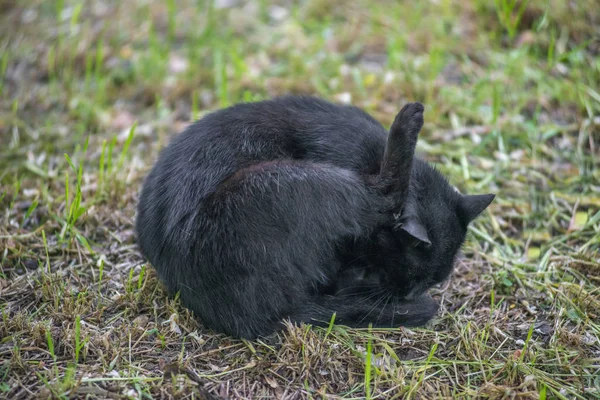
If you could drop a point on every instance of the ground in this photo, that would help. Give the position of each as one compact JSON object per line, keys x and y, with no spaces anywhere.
{"x":92,"y":90}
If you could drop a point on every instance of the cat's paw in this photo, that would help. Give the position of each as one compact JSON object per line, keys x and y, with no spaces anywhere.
{"x":410,"y":120}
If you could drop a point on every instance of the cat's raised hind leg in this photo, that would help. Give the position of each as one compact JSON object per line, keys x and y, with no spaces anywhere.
{"x":399,"y":152}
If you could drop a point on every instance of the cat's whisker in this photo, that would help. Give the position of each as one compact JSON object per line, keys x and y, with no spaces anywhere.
{"x":388,"y":298}
{"x":377,"y":303}
{"x":348,"y":288}
{"x":368,"y":295}
{"x":371,"y":297}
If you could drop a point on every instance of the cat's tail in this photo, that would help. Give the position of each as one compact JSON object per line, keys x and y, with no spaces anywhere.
{"x":360,"y":311}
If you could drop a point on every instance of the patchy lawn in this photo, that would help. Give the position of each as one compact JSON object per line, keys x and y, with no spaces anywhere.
{"x":91,"y":90}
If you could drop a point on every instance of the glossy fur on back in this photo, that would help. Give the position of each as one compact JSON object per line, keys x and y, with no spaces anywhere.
{"x":297,"y":208}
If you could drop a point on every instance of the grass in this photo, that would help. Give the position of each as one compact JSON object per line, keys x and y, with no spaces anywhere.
{"x":91,"y":90}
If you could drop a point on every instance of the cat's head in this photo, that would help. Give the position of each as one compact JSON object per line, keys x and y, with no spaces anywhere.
{"x":418,"y":248}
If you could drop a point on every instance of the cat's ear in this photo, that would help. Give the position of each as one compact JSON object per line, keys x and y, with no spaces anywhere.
{"x":410,"y":223}
{"x":473,"y":205}
{"x":416,"y":229}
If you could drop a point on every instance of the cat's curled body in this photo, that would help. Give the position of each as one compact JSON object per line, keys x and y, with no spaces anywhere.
{"x":297,"y":208}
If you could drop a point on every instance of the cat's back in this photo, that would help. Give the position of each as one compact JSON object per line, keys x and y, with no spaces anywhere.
{"x":288,"y":125}
{"x":313,"y":129}
{"x":292,"y":128}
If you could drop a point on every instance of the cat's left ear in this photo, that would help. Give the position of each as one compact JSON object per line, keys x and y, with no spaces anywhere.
{"x":410,"y":223}
{"x":415,"y":228}
{"x":472,"y":205}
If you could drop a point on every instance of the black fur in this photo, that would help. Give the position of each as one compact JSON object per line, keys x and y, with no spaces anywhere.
{"x":295,"y":208}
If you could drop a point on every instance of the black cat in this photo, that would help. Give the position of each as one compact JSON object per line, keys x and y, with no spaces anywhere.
{"x":296,"y":208}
